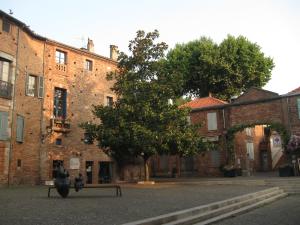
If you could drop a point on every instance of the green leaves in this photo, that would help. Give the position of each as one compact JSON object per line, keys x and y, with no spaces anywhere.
{"x":225,"y":70}
{"x":142,"y":122}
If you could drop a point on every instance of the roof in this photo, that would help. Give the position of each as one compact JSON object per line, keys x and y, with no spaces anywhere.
{"x":295,"y":91}
{"x":204,"y":102}
{"x":27,"y":29}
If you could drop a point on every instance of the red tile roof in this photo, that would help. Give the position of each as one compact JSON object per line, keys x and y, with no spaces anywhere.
{"x":297,"y":90}
{"x":204,"y":102}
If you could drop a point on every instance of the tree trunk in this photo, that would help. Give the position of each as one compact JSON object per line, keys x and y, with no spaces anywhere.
{"x":146,"y":169}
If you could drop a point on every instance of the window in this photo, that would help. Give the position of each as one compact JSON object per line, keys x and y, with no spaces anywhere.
{"x":212,"y":121}
{"x":4,"y":70}
{"x":109,"y":101}
{"x":88,"y":65}
{"x":248,"y":131}
{"x":60,"y":103}
{"x":19,"y":163}
{"x":250,"y":150}
{"x":31,"y":85}
{"x":298,"y":105}
{"x":5,"y":85}
{"x":35,"y":86}
{"x":5,"y":26}
{"x":20,"y":129}
{"x":61,"y":57}
{"x":3,"y":126}
{"x":58,"y":141}
{"x":88,"y":139}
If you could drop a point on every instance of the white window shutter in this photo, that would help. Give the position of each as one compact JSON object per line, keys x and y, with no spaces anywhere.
{"x":3,"y":126}
{"x":20,"y":129}
{"x":26,"y":83}
{"x":41,"y":87}
{"x":212,"y":121}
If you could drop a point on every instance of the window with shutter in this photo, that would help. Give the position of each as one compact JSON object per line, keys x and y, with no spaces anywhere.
{"x":3,"y":126}
{"x":60,"y":103}
{"x":212,"y":121}
{"x":20,"y":129}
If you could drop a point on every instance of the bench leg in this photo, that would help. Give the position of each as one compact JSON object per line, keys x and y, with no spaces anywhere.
{"x":49,"y":192}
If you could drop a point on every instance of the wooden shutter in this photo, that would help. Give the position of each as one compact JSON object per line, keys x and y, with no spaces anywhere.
{"x":212,"y":121}
{"x":20,"y":128}
{"x":26,"y":83}
{"x":41,"y":87}
{"x":3,"y":126}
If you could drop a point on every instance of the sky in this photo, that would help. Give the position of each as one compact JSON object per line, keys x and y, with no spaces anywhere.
{"x":273,"y":24}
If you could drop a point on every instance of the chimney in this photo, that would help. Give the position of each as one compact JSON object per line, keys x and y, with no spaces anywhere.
{"x":114,"y":53}
{"x":90,"y":45}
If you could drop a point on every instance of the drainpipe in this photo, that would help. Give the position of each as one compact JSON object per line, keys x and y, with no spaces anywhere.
{"x":13,"y":110}
{"x":42,"y":117}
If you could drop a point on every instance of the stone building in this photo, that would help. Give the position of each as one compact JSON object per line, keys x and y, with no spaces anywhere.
{"x":47,"y":90}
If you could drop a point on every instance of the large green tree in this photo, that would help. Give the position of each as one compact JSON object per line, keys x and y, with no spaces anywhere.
{"x":142,"y":121}
{"x":224,"y":69}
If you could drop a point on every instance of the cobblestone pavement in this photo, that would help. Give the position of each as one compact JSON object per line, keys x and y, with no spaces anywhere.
{"x":282,"y":212}
{"x":30,"y":205}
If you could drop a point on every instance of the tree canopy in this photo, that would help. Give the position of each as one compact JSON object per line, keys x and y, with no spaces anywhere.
{"x":224,"y":69}
{"x":143,"y":122}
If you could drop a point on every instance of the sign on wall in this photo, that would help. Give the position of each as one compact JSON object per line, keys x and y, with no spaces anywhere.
{"x":74,"y":164}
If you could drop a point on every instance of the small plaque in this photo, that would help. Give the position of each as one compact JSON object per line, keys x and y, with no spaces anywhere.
{"x":74,"y":164}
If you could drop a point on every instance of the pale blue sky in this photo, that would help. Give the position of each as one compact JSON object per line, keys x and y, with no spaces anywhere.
{"x":272,"y":24}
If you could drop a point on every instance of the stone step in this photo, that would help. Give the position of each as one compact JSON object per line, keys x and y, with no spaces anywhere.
{"x":242,"y":210}
{"x":224,"y":210}
{"x":210,"y":210}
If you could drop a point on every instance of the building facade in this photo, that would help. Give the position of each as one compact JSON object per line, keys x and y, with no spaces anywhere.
{"x":256,"y":148}
{"x":47,"y":90}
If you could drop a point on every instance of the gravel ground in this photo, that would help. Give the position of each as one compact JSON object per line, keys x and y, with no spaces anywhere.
{"x":282,"y":212}
{"x":30,"y":205}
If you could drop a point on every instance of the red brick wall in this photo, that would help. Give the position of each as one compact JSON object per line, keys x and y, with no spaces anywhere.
{"x":84,"y":88}
{"x":30,"y":61}
{"x":265,"y":112}
{"x":255,"y":94}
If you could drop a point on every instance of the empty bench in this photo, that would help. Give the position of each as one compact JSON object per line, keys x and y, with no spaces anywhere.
{"x":116,"y":186}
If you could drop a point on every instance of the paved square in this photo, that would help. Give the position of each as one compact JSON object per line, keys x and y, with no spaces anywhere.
{"x":30,"y":205}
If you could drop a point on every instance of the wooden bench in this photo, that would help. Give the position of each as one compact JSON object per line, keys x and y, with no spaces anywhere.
{"x":116,"y":186}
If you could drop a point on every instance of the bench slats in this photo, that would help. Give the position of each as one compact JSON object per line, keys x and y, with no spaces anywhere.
{"x":117,"y":187}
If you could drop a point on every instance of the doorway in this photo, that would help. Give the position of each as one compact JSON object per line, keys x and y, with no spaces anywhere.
{"x":105,"y":172}
{"x":264,"y":161}
{"x":89,"y":171}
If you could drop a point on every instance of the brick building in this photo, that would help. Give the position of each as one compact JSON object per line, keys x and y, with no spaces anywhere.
{"x":255,"y":148}
{"x":47,"y":89}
